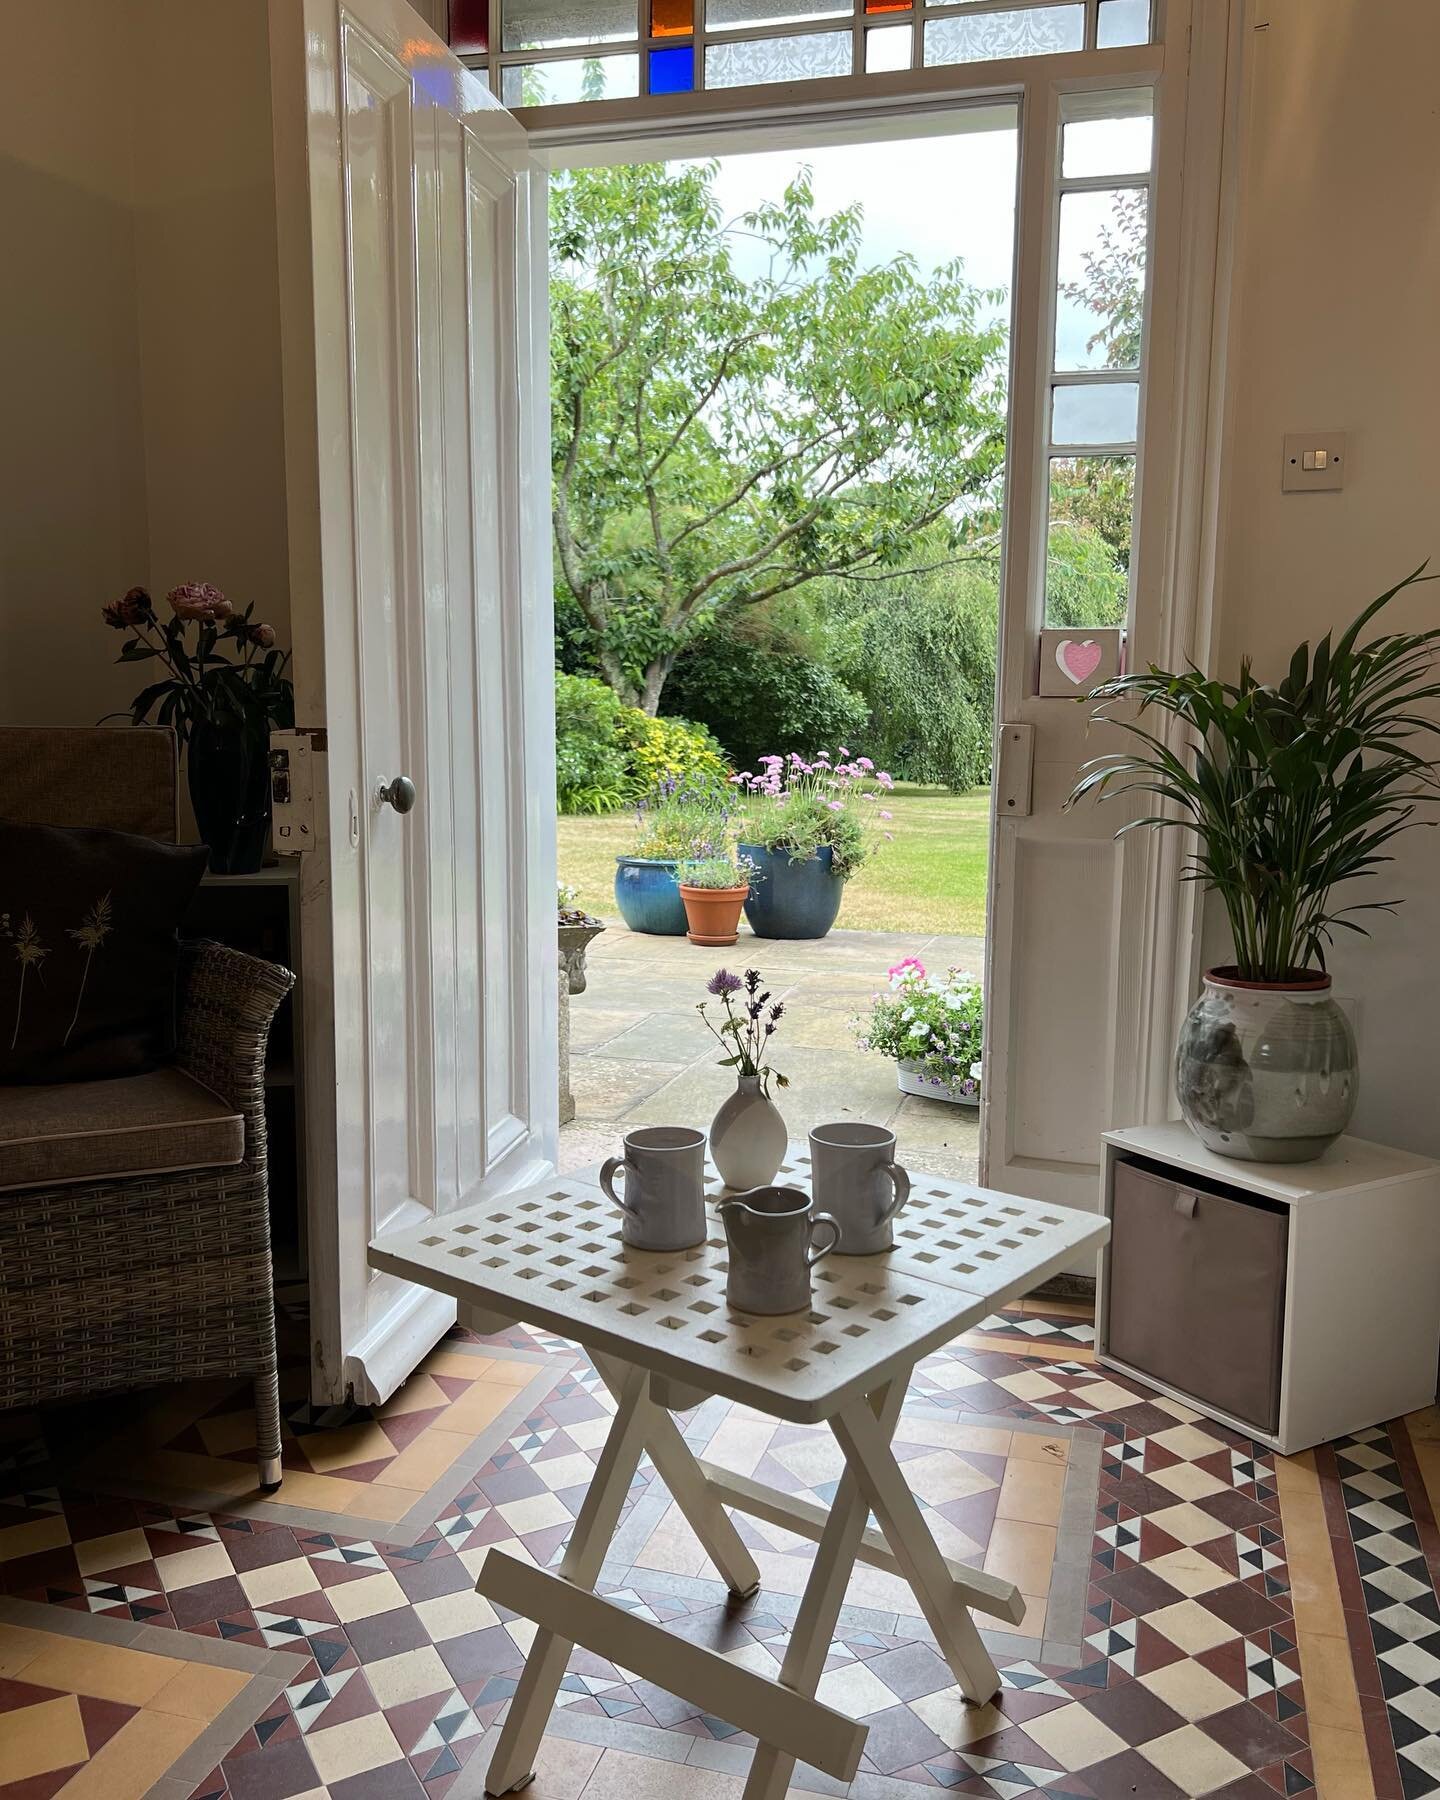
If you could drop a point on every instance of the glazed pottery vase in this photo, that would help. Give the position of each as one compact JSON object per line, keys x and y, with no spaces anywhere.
{"x":647,"y":893}
{"x":792,"y":897}
{"x":227,"y":770}
{"x":747,"y":1136}
{"x":712,"y":915}
{"x":1266,"y":1071}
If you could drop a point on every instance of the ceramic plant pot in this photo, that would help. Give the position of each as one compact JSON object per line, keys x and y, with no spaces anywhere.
{"x":748,"y":1137}
{"x":227,"y":770}
{"x":1266,"y":1071}
{"x":910,"y":1078}
{"x":793,"y":897}
{"x":713,"y":914}
{"x":648,"y":896}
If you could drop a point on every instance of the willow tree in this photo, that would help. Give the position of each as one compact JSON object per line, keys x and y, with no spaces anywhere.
{"x":741,"y":407}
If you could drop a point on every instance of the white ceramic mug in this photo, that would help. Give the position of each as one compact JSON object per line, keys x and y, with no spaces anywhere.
{"x":856,"y":1179}
{"x":664,"y":1178}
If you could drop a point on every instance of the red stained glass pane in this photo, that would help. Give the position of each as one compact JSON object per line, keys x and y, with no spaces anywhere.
{"x":672,"y":18}
{"x":887,"y":6}
{"x":469,"y":27}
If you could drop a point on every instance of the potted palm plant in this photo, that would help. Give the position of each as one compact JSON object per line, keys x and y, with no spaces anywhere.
{"x":1289,"y":791}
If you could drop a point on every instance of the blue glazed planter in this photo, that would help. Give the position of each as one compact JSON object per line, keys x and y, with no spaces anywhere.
{"x":792,"y":898}
{"x":648,"y":895}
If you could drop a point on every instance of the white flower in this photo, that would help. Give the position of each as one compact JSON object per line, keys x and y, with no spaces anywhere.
{"x":975,"y":1071}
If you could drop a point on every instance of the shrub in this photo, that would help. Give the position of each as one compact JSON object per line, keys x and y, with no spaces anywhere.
{"x":755,"y":700}
{"x":685,"y":819}
{"x":607,"y":753}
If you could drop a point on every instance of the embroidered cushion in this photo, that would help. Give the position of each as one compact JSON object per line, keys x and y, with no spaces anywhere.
{"x":89,"y":951}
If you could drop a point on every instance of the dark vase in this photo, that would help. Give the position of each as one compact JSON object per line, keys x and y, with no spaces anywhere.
{"x":792,"y":897}
{"x":228,"y":771}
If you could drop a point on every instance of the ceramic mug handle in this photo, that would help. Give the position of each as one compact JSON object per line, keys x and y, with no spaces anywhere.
{"x":900,"y":1179}
{"x":613,"y":1166}
{"x":812,"y":1255}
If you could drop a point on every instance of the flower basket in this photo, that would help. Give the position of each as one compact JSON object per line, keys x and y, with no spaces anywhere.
{"x":933,"y":1028}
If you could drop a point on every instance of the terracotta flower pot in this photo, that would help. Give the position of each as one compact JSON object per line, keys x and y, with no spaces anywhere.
{"x":713,"y":914}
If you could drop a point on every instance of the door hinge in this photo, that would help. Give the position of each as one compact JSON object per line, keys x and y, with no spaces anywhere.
{"x":1013,"y":774}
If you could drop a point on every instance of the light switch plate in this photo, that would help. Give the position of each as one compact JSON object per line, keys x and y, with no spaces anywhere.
{"x":1303,"y":450}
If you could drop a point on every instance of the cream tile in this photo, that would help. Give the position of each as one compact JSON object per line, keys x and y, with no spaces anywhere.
{"x":1177,"y":1409}
{"x":954,"y":1375}
{"x":949,"y":1434}
{"x":1192,"y":1626}
{"x":854,"y":1691}
{"x":1029,"y":1384}
{"x":1187,"y":1524}
{"x":1021,"y":1552}
{"x":199,"y":1691}
{"x":227,"y":1433}
{"x":364,"y":1598}
{"x":33,"y":1536}
{"x":1187,"y":1441}
{"x":1104,"y":1396}
{"x":534,"y":1514}
{"x":36,"y":1739}
{"x":1191,"y":1571}
{"x":108,"y":1671}
{"x":1191,"y":1689}
{"x":814,"y":1459}
{"x":1187,"y":1481}
{"x":188,"y":1568}
{"x":475,"y":1409}
{"x":419,"y":1394}
{"x":1074,"y":1737}
{"x":620,"y":1776}
{"x":756,"y":1658}
{"x":421,"y":1463}
{"x":352,"y":1748}
{"x":510,"y":1374}
{"x":18,"y":1647}
{"x":410,"y":1676}
{"x":452,"y":1615}
{"x":562,"y":1769}
{"x":1032,"y":1492}
{"x":113,"y":1552}
{"x":564,"y":1471}
{"x":1030,"y":1446}
{"x":1195,"y":1763}
{"x":951,"y":1717}
{"x":326,"y":1451}
{"x":132,"y":1761}
{"x":374,"y":1500}
{"x":943,"y":1476}
{"x":673,"y":1547}
{"x":590,"y":1434}
{"x":279,"y":1581}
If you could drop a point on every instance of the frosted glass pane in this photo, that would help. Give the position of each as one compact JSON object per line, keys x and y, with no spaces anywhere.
{"x":1123,"y":22}
{"x":760,"y":60}
{"x":1107,"y":146}
{"x":1101,"y":271}
{"x":1095,"y":413}
{"x":1087,"y":564}
{"x":548,"y":24}
{"x":888,"y":49}
{"x":575,"y":78}
{"x":742,"y":15}
{"x":1028,"y":31}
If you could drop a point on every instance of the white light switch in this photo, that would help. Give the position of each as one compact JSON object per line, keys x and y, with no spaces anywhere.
{"x":1313,"y":461}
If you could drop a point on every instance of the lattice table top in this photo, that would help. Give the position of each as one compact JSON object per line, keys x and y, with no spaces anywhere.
{"x":552,"y":1256}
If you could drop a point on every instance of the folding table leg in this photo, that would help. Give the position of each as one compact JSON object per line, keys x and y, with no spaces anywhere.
{"x":513,"y":1764}
{"x":814,"y":1627}
{"x":866,"y":1444}
{"x":678,"y":1469}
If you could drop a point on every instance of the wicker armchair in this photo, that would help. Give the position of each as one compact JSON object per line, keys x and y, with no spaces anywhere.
{"x":150,"y":1273}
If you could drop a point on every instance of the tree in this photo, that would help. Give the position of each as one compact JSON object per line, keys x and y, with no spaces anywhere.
{"x":721,"y":439}
{"x":1113,"y":285}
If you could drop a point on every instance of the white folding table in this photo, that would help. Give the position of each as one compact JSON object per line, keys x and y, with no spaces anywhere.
{"x":658,"y":1330}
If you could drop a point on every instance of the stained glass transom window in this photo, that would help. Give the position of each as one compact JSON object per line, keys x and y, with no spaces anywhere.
{"x":556,"y":52}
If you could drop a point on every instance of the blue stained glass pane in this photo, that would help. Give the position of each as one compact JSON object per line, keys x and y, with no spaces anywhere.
{"x":672,"y":70}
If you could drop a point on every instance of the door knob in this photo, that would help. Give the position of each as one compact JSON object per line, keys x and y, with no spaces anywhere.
{"x":399,"y":793}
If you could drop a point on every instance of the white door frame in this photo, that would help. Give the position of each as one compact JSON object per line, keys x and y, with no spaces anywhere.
{"x":1196,"y":74}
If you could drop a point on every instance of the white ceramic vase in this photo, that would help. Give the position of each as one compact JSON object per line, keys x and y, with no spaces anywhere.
{"x":748,"y":1137}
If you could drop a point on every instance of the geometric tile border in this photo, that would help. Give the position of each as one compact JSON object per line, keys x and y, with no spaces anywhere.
{"x":174,"y":1777}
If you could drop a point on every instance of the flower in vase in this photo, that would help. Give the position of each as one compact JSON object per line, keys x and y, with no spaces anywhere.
{"x":200,"y":601}
{"x":131,"y":609}
{"x":722,"y":982}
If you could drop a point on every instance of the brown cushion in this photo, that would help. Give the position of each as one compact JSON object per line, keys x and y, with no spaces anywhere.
{"x":107,"y":1130}
{"x":121,"y":778}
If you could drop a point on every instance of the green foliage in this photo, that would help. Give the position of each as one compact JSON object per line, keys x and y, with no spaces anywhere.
{"x":685,"y":819}
{"x":934,"y":1021}
{"x":1084,"y":582}
{"x":754,"y":699}
{"x":800,"y":805}
{"x":607,"y":753}
{"x":720,"y":441}
{"x":718,"y":872}
{"x":1289,"y":790}
{"x":1113,"y":284}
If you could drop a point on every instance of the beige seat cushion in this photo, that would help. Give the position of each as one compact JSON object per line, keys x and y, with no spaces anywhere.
{"x":108,"y":1130}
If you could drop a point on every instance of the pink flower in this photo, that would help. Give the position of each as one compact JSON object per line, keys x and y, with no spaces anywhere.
{"x":131,"y":609}
{"x":909,"y":965}
{"x":842,"y":751}
{"x":261,"y":635}
{"x":886,"y":815}
{"x":864,"y":762}
{"x":200,"y":601}
{"x":835,"y":806}
{"x":886,"y":781}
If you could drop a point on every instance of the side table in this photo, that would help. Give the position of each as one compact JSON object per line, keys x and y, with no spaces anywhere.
{"x":657,"y":1327}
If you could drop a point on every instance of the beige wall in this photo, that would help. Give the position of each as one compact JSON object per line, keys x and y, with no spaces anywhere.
{"x":139,"y":335}
{"x":1338,"y":326}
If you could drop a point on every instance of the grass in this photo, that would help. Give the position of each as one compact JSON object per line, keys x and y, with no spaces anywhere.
{"x":931,"y":877}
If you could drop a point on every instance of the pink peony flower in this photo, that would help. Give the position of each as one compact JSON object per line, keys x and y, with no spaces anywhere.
{"x":131,"y":609}
{"x":199,"y":601}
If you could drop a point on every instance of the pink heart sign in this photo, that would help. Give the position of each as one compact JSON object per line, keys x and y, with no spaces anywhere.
{"x":1077,"y":662}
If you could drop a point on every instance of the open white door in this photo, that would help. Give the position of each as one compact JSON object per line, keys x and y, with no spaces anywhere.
{"x":416,"y":412}
{"x":1090,"y":951}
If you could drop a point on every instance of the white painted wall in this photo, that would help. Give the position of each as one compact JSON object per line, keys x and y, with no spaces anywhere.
{"x":139,"y":335}
{"x":1338,"y":326}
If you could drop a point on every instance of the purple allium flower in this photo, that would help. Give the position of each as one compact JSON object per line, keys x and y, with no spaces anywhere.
{"x":723,"y":982}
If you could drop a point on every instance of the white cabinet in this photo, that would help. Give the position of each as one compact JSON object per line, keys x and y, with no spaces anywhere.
{"x":1326,"y":1315}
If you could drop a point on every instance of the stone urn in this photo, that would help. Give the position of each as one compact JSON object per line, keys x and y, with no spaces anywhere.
{"x":1266,"y":1071}
{"x":575,"y":929}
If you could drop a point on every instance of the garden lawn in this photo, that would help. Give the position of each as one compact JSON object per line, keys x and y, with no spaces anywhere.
{"x":930,"y":877}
